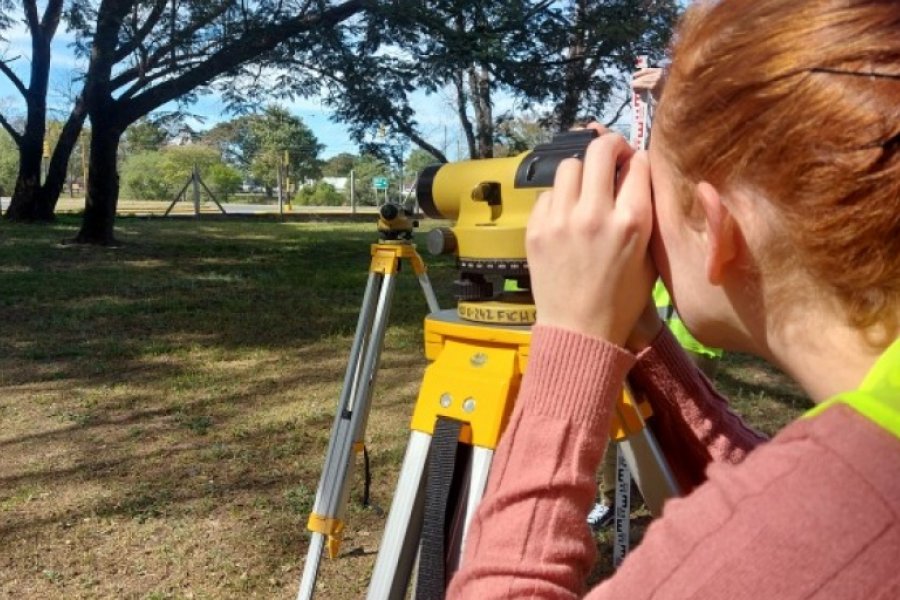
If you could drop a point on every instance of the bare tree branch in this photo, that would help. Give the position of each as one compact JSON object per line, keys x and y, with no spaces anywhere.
{"x":141,"y":34}
{"x":50,"y":21}
{"x":4,"y":68}
{"x":15,"y":135}
{"x":235,"y":54}
{"x":31,"y":16}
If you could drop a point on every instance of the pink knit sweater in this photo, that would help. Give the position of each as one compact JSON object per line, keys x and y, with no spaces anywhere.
{"x":811,"y":514}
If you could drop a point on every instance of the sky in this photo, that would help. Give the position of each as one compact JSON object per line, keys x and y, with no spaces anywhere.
{"x":436,"y":117}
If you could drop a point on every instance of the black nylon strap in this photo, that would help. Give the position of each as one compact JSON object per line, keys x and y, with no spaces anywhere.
{"x":431,"y":583}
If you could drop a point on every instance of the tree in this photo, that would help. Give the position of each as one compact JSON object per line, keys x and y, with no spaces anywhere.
{"x":223,"y":179}
{"x":339,"y":165}
{"x":417,"y":160}
{"x":9,"y":163}
{"x":144,"y":135}
{"x":519,"y":134}
{"x":568,"y":55}
{"x":284,"y":144}
{"x":142,"y":176}
{"x":261,"y":144}
{"x":144,"y":54}
{"x":604,"y":40}
{"x":33,"y":199}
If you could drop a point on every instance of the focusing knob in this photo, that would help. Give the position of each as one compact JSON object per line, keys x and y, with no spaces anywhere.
{"x":472,"y":286}
{"x":441,"y":241}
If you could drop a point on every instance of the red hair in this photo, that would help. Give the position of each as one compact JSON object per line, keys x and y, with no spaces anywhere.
{"x":800,"y":100}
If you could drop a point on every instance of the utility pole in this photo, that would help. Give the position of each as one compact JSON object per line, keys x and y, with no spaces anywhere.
{"x":352,"y":192}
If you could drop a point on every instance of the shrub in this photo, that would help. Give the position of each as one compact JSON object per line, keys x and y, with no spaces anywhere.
{"x":319,"y":194}
{"x":142,"y":176}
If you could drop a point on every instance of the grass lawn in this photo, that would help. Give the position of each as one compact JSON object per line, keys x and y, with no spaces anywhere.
{"x":165,"y":406}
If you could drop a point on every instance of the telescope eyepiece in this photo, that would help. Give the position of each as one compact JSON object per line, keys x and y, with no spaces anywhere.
{"x":425,"y":191}
{"x":390,"y":211}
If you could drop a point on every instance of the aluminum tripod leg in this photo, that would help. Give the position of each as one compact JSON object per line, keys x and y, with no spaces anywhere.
{"x":638,"y":456}
{"x":351,"y":417}
{"x":400,"y":541}
{"x":349,"y":424}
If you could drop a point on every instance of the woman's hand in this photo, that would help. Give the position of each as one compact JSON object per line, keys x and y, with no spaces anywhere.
{"x":649,"y":80}
{"x":587,"y":242}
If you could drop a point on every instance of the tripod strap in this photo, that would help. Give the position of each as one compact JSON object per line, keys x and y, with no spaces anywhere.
{"x":431,"y":583}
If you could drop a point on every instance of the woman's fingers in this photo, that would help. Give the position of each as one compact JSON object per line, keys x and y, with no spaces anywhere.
{"x":602,"y":160}
{"x":567,"y":184}
{"x":634,"y":197}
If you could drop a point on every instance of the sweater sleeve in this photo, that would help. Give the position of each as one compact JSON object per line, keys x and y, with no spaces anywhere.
{"x":529,"y":536}
{"x":692,"y":422}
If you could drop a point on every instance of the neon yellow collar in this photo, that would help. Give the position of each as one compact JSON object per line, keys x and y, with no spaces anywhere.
{"x":878,"y":396}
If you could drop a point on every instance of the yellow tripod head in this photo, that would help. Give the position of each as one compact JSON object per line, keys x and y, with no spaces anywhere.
{"x":490,"y":201}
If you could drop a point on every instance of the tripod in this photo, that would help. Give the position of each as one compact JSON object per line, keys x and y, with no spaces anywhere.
{"x":465,"y":400}
{"x":326,"y":520}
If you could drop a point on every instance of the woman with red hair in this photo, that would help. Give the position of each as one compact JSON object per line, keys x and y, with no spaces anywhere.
{"x":774,"y":220}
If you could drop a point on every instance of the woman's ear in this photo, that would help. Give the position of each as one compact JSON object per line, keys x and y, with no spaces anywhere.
{"x":723,"y":236}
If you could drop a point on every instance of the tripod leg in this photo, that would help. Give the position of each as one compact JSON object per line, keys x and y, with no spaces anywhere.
{"x":430,"y":298}
{"x":326,"y":520}
{"x":481,"y":468}
{"x":650,"y":469}
{"x":400,"y":541}
{"x":638,"y":455}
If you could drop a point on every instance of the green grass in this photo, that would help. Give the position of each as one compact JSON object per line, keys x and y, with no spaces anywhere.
{"x":165,"y":406}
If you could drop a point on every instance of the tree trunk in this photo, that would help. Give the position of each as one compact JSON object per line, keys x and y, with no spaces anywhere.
{"x":103,"y":185}
{"x":24,"y":203}
{"x":59,"y":162}
{"x":461,"y":105}
{"x":480,"y":87}
{"x":28,"y":182}
{"x":28,"y":203}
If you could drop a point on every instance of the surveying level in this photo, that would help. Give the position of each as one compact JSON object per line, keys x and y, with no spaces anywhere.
{"x":326,"y":522}
{"x":491,"y":200}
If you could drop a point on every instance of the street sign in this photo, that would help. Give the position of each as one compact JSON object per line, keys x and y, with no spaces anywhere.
{"x":380,"y":183}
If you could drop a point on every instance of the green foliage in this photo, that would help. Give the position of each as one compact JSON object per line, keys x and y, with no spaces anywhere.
{"x":568,"y":57}
{"x":142,"y":177}
{"x":365,"y":170}
{"x":161,"y":175}
{"x":260,"y":144}
{"x":418,"y":159}
{"x":144,"y":136}
{"x":9,"y":164}
{"x":519,"y":134}
{"x":339,"y":165}
{"x":223,"y":179}
{"x":319,"y":194}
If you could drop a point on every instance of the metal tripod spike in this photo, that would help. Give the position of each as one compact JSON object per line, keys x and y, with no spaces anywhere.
{"x":326,"y":520}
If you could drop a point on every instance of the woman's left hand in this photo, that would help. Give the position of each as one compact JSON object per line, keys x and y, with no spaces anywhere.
{"x":587,"y":242}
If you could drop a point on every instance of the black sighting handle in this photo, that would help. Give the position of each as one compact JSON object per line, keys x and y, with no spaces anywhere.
{"x":538,"y":168}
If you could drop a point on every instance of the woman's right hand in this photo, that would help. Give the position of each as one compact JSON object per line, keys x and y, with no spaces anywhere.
{"x":648,"y":80}
{"x":587,"y":242}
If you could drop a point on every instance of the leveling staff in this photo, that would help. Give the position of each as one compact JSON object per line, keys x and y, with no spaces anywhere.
{"x":776,"y":178}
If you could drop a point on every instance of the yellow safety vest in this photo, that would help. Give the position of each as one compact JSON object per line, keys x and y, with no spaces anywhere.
{"x":878,"y":396}
{"x":670,"y":317}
